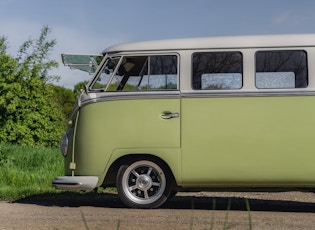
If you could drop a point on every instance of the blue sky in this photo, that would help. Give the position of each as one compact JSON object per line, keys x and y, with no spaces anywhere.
{"x":82,"y":26}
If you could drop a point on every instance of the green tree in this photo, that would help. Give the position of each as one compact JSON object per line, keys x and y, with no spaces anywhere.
{"x":79,"y":87}
{"x":29,"y":113}
{"x":65,"y":98}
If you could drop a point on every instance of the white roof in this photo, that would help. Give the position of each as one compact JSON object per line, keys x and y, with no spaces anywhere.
{"x":258,"y":41}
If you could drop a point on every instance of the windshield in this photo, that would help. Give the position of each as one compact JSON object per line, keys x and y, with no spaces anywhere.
{"x":108,"y":70}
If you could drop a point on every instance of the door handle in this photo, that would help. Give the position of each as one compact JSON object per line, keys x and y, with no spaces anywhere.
{"x":167,"y":115}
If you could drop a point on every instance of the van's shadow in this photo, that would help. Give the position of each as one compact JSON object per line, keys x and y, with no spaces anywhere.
{"x":107,"y":200}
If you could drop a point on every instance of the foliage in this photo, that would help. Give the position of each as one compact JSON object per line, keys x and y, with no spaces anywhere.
{"x":78,"y":87}
{"x":27,"y":170}
{"x":65,"y":98}
{"x":29,"y":114}
{"x":34,"y":56}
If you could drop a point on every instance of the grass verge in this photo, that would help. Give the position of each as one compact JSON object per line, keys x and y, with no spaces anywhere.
{"x":26,"y":171}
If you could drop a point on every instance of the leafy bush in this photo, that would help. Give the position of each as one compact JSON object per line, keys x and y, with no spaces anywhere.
{"x":29,"y":113}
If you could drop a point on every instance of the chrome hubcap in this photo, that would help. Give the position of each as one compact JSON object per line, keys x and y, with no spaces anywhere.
{"x":144,"y":182}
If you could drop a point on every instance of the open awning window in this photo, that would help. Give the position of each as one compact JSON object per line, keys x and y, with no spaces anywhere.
{"x":84,"y":62}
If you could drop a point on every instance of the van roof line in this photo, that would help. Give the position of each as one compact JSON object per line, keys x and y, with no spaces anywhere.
{"x":227,"y":42}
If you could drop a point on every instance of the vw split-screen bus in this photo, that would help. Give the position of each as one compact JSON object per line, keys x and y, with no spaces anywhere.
{"x":220,"y":113}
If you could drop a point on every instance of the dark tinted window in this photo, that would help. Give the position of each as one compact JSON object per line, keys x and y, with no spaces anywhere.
{"x":281,"y":69}
{"x":217,"y":71}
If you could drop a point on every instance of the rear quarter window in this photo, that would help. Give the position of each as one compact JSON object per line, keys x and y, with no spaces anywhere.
{"x":281,"y":69}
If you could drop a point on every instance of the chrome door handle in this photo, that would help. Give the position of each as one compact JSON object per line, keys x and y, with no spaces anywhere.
{"x":169,"y":115}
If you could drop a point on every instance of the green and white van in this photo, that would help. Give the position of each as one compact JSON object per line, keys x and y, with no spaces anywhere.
{"x":220,"y":113}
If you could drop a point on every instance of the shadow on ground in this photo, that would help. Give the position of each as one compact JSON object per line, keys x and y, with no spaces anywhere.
{"x":108,"y":200}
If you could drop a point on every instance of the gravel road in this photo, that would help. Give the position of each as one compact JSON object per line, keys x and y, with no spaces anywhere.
{"x":285,"y":210}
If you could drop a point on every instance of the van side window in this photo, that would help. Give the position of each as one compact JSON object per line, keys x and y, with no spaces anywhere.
{"x":281,"y":69}
{"x":146,"y":73}
{"x":217,"y":71}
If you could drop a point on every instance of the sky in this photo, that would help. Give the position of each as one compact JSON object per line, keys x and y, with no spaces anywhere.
{"x":81,"y":26}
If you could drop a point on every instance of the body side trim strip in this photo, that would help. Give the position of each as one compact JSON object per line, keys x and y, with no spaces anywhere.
{"x":144,"y":96}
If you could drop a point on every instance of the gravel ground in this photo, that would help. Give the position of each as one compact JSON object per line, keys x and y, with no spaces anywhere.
{"x":285,"y":210}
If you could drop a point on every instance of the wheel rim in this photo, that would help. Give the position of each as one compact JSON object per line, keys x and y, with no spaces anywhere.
{"x":144,"y":182}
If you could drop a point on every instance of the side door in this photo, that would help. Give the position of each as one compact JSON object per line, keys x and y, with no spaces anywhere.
{"x":152,"y":80}
{"x":213,"y":121}
{"x":139,"y":102}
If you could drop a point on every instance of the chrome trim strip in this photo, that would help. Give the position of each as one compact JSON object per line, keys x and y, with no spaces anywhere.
{"x":125,"y":96}
{"x":247,"y":94}
{"x":84,"y":100}
{"x":105,"y":96}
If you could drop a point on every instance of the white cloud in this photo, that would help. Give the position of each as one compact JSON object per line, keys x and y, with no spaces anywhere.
{"x":298,"y":21}
{"x":282,"y":18}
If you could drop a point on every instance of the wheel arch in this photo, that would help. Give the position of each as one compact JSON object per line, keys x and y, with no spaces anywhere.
{"x":110,"y":177}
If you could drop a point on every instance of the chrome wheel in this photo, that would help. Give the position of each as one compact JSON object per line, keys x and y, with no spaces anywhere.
{"x":143,"y":184}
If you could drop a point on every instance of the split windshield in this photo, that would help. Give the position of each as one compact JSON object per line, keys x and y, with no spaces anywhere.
{"x":138,"y":73}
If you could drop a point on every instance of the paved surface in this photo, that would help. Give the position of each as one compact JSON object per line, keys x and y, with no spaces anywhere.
{"x":290,"y":210}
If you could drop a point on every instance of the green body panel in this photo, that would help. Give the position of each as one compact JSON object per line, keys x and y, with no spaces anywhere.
{"x":110,"y":129}
{"x":248,"y":141}
{"x":216,"y":142}
{"x":70,"y":155}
